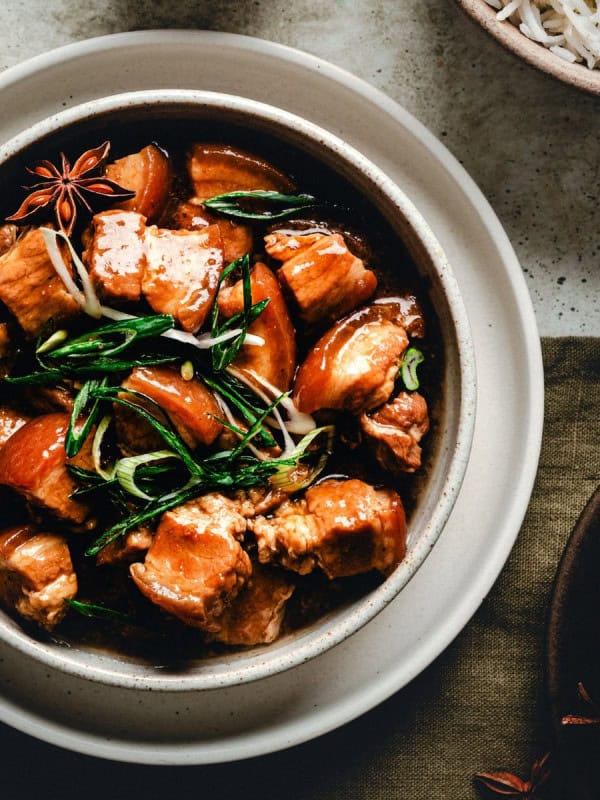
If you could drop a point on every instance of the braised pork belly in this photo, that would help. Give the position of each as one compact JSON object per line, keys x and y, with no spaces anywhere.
{"x":36,"y":574}
{"x":354,"y":365}
{"x":395,"y":430}
{"x":215,"y":169}
{"x":33,"y":462}
{"x":182,"y":271}
{"x":195,"y":565}
{"x":30,"y":287}
{"x":343,"y":527}
{"x":275,"y":360}
{"x":204,"y":411}
{"x":321,"y":274}
{"x":148,"y":174}
{"x":10,"y":422}
{"x":116,"y":254}
{"x":255,"y":615}
{"x":188,"y":404}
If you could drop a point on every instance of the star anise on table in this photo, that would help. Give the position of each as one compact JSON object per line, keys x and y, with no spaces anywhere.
{"x":505,"y":784}
{"x":575,"y":719}
{"x":69,"y":188}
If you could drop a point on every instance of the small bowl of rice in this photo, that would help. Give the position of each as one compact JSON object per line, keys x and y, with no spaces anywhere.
{"x":559,"y":37}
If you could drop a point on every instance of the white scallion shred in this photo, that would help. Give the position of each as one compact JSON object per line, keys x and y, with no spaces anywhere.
{"x":89,"y":303}
{"x":202,"y":342}
{"x":107,"y":474}
{"x":52,"y":342}
{"x":187,"y":371}
{"x":88,"y":300}
{"x":283,"y":479}
{"x":298,"y":422}
{"x":568,"y":28}
{"x":126,"y":469}
{"x":228,"y":414}
{"x":50,"y":240}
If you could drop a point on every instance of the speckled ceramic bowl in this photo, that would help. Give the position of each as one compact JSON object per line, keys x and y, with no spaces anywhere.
{"x":454,"y":425}
{"x":533,"y":53}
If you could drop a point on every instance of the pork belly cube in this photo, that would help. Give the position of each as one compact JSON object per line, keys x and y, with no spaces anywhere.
{"x":345,"y":527}
{"x":126,"y":549}
{"x":255,"y":616}
{"x":325,"y":279}
{"x":30,"y":287}
{"x":36,"y":574}
{"x":353,"y":367}
{"x":275,"y":360}
{"x":410,"y":313}
{"x":33,"y":462}
{"x":8,"y":236}
{"x":182,"y":272}
{"x":195,"y":565}
{"x":190,"y":406}
{"x":148,"y":174}
{"x":237,"y":239}
{"x":395,"y":430}
{"x":217,"y":169}
{"x":116,"y":254}
{"x":10,"y":422}
{"x":286,"y":246}
{"x":6,"y":347}
{"x":258,"y":500}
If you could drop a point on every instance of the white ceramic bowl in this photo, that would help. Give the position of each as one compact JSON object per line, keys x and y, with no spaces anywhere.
{"x":454,"y":425}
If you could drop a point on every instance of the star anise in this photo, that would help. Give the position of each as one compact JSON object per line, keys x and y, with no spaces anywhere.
{"x":506,"y":784}
{"x":69,"y":188}
{"x":574,"y":719}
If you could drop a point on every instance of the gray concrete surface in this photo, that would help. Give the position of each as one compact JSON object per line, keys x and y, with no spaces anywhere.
{"x":529,"y":142}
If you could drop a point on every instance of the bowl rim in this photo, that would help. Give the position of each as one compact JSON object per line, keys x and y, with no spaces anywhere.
{"x":312,"y":643}
{"x":533,"y":53}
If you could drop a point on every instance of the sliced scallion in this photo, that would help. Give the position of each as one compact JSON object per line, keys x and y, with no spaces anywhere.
{"x":103,"y":425}
{"x":87,"y":299}
{"x":96,"y":611}
{"x":284,"y":478}
{"x":83,"y":405}
{"x":171,"y":438}
{"x":408,"y":371}
{"x":223,"y":352}
{"x":126,"y":468}
{"x":57,"y":338}
{"x":114,"y":338}
{"x":233,"y":392}
{"x":268,"y":205}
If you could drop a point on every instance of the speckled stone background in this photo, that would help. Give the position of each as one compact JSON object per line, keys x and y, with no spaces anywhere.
{"x":530,"y":143}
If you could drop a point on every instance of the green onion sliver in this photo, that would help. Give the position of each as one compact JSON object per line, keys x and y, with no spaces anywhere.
{"x":408,"y":371}
{"x":107,"y":474}
{"x":278,"y":206}
{"x":96,"y":611}
{"x":84,"y":401}
{"x":126,"y":469}
{"x":57,"y":338}
{"x":282,"y":478}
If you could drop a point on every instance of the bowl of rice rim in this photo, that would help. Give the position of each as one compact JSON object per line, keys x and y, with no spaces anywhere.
{"x":558,"y":37}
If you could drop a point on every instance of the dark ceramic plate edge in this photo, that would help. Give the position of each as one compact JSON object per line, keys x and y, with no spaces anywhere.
{"x":573,"y":651}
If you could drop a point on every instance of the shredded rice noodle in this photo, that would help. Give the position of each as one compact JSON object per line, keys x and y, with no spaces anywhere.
{"x":569,"y":28}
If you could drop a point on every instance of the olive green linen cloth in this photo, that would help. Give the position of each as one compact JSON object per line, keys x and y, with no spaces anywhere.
{"x":480,"y":706}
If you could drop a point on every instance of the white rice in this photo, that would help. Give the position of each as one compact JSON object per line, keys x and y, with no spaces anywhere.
{"x":569,"y":28}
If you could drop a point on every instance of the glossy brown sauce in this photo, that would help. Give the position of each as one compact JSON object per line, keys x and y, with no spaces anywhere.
{"x":153,"y":636}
